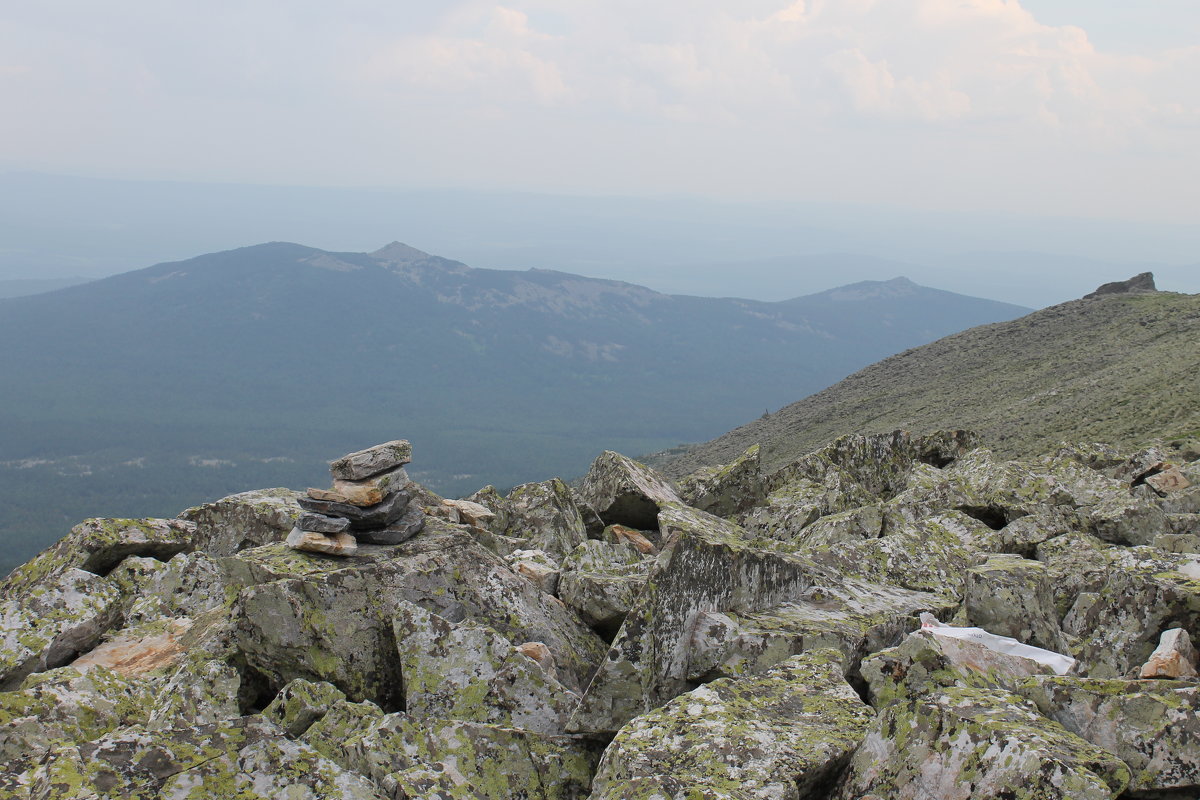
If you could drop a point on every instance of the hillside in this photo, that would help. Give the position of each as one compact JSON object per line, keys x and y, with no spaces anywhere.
{"x":1121,"y":368}
{"x":153,"y":390}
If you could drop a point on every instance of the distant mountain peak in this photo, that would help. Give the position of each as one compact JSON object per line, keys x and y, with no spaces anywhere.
{"x":399,"y":253}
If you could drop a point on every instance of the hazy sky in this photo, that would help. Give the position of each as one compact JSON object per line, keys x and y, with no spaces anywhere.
{"x":1065,"y":107}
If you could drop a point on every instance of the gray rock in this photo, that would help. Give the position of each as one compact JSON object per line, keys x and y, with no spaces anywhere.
{"x":471,"y":673}
{"x":398,"y":532}
{"x":319,"y":523}
{"x":1011,"y":596}
{"x":367,"y":492}
{"x":784,"y":734}
{"x":372,"y":461}
{"x":1143,"y":282}
{"x":337,"y":544}
{"x":248,"y":519}
{"x":601,"y":581}
{"x":546,"y":517}
{"x":626,"y":492}
{"x":301,"y":703}
{"x":1152,"y":726}
{"x":977,"y":744}
{"x":376,"y":516}
{"x":726,"y":490}
{"x":1175,"y":657}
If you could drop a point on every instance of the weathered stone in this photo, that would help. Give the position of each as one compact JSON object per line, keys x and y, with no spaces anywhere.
{"x":784,"y":734}
{"x":338,"y":544}
{"x":1114,"y":601}
{"x":600,"y":581}
{"x":403,"y":529}
{"x":372,"y":461}
{"x":924,"y":664}
{"x":1142,"y":282}
{"x":728,"y":489}
{"x":977,"y":744}
{"x":471,"y":673}
{"x":793,"y":506}
{"x":49,"y":624}
{"x":97,"y":545}
{"x":1173,"y":658}
{"x":186,"y":586}
{"x":846,"y":618}
{"x":864,"y":522}
{"x":1126,"y":520}
{"x":331,"y":620}
{"x":133,"y":653}
{"x":361,"y":518}
{"x":536,"y":566}
{"x":66,"y":706}
{"x":710,"y":565}
{"x":239,"y":521}
{"x":620,"y":534}
{"x":319,"y":523}
{"x":626,"y":492}
{"x":455,"y":759}
{"x":546,"y":517}
{"x":1152,"y":726}
{"x":1011,"y":596}
{"x":301,"y":703}
{"x":1169,"y":480}
{"x":496,"y":503}
{"x":470,"y":513}
{"x":367,"y":492}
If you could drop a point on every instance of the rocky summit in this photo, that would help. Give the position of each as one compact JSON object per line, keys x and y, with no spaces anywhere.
{"x":891,"y":616}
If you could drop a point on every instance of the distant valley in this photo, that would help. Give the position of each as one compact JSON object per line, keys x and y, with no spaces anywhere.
{"x":152,"y":390}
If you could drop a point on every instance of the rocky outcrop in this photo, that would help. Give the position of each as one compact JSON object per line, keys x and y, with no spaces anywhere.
{"x":862,"y":623}
{"x":1143,"y":282}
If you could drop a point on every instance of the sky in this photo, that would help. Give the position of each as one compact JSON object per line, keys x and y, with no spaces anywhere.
{"x":1059,"y":107}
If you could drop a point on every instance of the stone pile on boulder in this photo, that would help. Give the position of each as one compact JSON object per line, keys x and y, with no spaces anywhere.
{"x":840,"y":629}
{"x":368,"y":502}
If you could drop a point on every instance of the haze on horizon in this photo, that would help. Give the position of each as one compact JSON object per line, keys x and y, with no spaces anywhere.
{"x":915,"y":130}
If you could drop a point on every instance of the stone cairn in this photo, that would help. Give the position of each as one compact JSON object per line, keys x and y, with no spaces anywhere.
{"x":368,"y":503}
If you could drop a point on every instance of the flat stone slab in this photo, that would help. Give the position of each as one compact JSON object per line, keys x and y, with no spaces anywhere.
{"x":376,"y":516}
{"x":403,"y":529}
{"x":372,"y":461}
{"x":338,"y":544}
{"x":367,"y":492}
{"x":319,"y":523}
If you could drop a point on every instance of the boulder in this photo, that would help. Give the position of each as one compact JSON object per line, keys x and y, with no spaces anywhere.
{"x":923,"y":664}
{"x":372,"y":461}
{"x":977,"y":744}
{"x":186,"y":586}
{"x":301,"y":703}
{"x":239,"y":521}
{"x":466,"y":512}
{"x":710,"y":565}
{"x":783,"y":734}
{"x":1011,"y":596}
{"x":601,"y":581}
{"x":471,"y":673}
{"x":624,"y":535}
{"x":1152,"y":726}
{"x":726,"y":490}
{"x":536,"y":566}
{"x":1173,"y":658}
{"x":626,"y":492}
{"x":450,"y":758}
{"x":496,"y":503}
{"x":51,"y":623}
{"x":545,"y":516}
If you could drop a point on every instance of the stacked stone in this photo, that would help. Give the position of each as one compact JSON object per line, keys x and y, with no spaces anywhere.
{"x":368,"y":503}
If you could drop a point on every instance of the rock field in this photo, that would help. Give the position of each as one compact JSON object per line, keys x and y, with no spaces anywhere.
{"x":735,"y":635}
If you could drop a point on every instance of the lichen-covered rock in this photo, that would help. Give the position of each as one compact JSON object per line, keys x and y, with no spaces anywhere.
{"x":780,"y":735}
{"x":1151,"y":725}
{"x":1175,"y":657}
{"x":320,"y":619}
{"x":625,"y":492}
{"x":301,"y":703}
{"x":186,"y":586}
{"x":855,"y":525}
{"x":1011,"y":596}
{"x":601,"y":581}
{"x":495,"y":502}
{"x":454,"y":759}
{"x":337,"y":544}
{"x":710,"y":565}
{"x":50,"y":622}
{"x":371,"y":461}
{"x":977,"y":744}
{"x":793,"y":506}
{"x":536,"y":566}
{"x":471,"y":673}
{"x":241,"y":521}
{"x":67,"y":706}
{"x":924,"y":664}
{"x":545,"y":516}
{"x":931,"y":554}
{"x":1115,"y":601}
{"x":726,"y":490}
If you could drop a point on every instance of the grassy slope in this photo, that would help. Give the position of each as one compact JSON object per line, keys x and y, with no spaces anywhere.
{"x":1119,"y":368}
